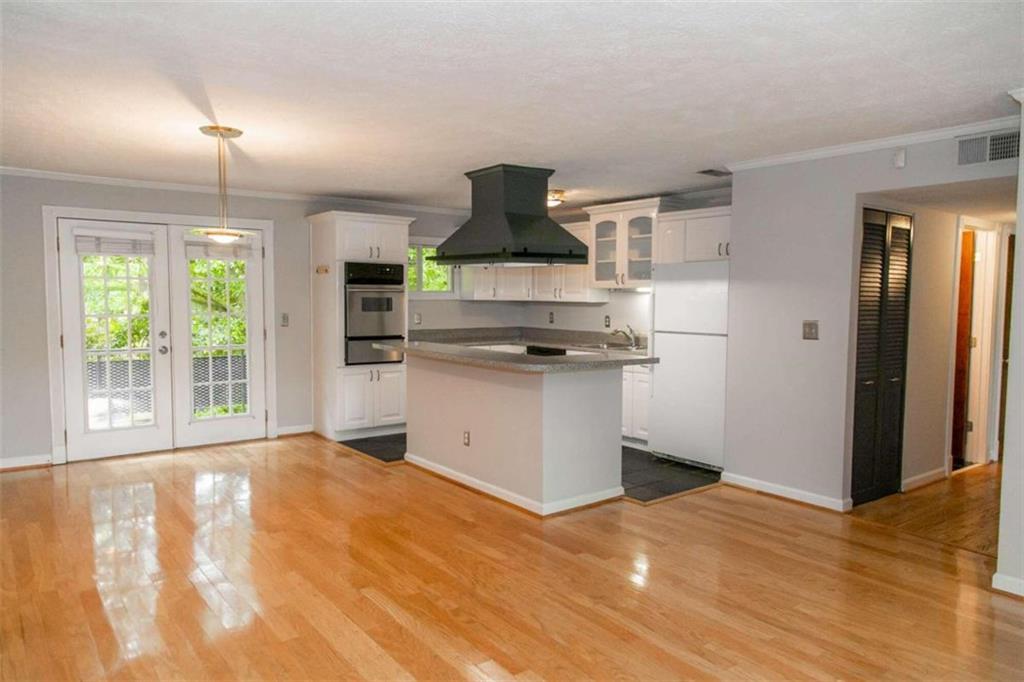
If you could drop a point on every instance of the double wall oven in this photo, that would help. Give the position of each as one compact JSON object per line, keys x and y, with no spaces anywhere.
{"x":374,"y":311}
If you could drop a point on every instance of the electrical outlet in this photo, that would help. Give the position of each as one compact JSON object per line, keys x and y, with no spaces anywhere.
{"x":284,"y":319}
{"x":417,"y":318}
{"x":810,"y":330}
{"x":551,"y":317}
{"x":465,"y":438}
{"x":607,"y":321}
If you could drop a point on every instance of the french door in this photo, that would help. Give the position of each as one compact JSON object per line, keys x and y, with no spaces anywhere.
{"x":159,"y":338}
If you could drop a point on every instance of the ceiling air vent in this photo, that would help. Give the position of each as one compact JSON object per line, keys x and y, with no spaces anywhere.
{"x":990,"y":147}
{"x":715,"y":173}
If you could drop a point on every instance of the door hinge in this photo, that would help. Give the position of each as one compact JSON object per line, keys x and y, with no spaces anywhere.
{"x":266,"y":416}
{"x":974,"y":342}
{"x":62,"y":341}
{"x":970,"y":426}
{"x":263,"y":251}
{"x":264,"y":333}
{"x":65,"y":437}
{"x":58,"y":242}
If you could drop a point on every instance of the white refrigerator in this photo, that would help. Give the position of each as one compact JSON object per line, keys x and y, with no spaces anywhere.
{"x":687,"y":409}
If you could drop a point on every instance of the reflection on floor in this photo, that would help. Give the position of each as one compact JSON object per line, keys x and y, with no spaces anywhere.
{"x":297,"y":559}
{"x":962,"y":510}
{"x":647,"y":478}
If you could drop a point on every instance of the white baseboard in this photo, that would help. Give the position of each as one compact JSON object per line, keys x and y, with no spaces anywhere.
{"x":367,"y":433}
{"x":833,"y":503}
{"x":923,"y":479}
{"x":539,"y":508}
{"x":24,"y":461}
{"x":292,"y":430}
{"x":1008,"y":583}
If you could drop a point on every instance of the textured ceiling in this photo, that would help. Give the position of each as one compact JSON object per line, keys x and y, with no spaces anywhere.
{"x":994,"y":199}
{"x":394,"y":101}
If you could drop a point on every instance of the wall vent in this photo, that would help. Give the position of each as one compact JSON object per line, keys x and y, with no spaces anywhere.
{"x":990,"y":147}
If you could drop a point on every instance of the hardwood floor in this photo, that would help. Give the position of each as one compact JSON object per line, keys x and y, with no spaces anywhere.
{"x":297,"y":559}
{"x":962,"y":510}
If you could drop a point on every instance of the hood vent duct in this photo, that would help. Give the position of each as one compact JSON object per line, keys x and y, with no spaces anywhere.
{"x":509,"y":223}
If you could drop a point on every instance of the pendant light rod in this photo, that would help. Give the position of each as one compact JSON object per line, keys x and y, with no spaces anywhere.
{"x":222,"y":133}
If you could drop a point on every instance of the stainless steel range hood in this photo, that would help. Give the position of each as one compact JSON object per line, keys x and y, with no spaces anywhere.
{"x":509,"y":224}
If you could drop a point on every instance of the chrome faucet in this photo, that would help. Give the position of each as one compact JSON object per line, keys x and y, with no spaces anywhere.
{"x":629,"y":334}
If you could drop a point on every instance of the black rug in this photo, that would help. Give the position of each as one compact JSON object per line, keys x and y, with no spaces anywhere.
{"x":385,"y":448}
{"x":647,"y":478}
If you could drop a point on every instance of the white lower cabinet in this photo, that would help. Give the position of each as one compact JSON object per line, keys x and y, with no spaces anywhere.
{"x":636,"y":393}
{"x":371,"y":395}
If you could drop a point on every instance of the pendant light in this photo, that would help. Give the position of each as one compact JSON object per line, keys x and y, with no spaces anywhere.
{"x":555,"y":197}
{"x":222,"y":234}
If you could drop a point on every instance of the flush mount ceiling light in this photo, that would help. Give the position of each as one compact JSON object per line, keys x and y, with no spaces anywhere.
{"x":556,"y":197}
{"x":222,"y":234}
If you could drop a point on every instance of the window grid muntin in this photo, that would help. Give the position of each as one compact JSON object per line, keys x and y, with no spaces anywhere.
{"x":132,"y":399}
{"x":204,"y":356}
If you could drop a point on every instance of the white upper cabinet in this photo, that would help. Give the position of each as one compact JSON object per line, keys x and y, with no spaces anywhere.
{"x":707,"y":238}
{"x":513,"y":283}
{"x":365,"y":237}
{"x":693,"y":236}
{"x":547,"y":281}
{"x":623,"y":247}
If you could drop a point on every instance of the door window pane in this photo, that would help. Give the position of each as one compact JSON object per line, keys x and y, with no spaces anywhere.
{"x":115,"y":300}
{"x":220,"y":335}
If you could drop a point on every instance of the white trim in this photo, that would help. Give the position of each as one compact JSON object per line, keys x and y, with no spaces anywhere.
{"x":833,"y":503}
{"x":1008,"y":583}
{"x":24,"y":461}
{"x":712,"y":212}
{"x":924,"y":479}
{"x":539,"y":508}
{"x":210,"y":189}
{"x":880,"y":143}
{"x":454,"y":275}
{"x":424,"y":241}
{"x":51,"y":214}
{"x":352,"y":434}
{"x":651,"y":202}
{"x":1017,"y":94}
{"x":293,"y":430}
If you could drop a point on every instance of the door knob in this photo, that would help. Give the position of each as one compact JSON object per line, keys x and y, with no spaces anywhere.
{"x":163,"y":350}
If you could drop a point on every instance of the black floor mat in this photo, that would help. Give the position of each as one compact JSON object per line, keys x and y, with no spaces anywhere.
{"x":647,"y":478}
{"x":385,"y":448}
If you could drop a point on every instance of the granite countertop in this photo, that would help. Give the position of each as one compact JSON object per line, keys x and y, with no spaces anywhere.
{"x":463,"y":346}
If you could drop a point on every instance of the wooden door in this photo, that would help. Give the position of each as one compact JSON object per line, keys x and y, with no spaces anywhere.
{"x":962,"y":370}
{"x":880,"y":374}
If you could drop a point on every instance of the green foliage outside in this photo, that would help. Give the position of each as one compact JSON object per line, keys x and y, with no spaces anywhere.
{"x":435,"y":277}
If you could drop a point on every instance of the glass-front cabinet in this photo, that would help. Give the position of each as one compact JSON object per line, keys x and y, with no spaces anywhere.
{"x":623,"y":243}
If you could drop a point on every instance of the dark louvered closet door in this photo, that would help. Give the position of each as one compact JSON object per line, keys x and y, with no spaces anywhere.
{"x":883,"y":311}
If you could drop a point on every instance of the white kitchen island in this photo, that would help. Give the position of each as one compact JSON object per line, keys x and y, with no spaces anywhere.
{"x":543,"y":433}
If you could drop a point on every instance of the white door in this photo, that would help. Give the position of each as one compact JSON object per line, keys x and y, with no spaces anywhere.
{"x":692,"y":297}
{"x":641,"y":402}
{"x":707,"y":238}
{"x":392,"y":243}
{"x":115,"y":322}
{"x":356,"y":398}
{"x":687,"y":408}
{"x":389,"y":387}
{"x":217,"y":338}
{"x":546,"y":282}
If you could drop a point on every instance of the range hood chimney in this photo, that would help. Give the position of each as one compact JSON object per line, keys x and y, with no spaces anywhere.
{"x":509,"y":223}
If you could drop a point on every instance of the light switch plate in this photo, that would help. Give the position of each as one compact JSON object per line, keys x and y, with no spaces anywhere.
{"x":810,"y":330}
{"x":607,"y":321}
{"x":417,"y":318}
{"x":551,"y":317}
{"x":284,"y":319}
{"x":465,"y":438}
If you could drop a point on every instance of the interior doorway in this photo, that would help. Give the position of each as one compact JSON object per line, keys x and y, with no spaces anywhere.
{"x":963,"y":343}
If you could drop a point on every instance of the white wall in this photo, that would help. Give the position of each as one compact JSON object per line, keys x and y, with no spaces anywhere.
{"x":796,"y":238}
{"x":23,"y":362}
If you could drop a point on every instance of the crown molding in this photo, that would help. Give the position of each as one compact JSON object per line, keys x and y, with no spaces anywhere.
{"x":1017,"y":94}
{"x":209,"y":189}
{"x":880,"y":143}
{"x":651,"y":202}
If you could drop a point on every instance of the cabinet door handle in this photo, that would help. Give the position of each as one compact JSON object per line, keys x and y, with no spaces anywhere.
{"x":371,"y":252}
{"x":727,"y":248}
{"x":869,"y":382}
{"x":378,"y":375}
{"x":894,"y":380}
{"x":371,"y":375}
{"x":719,"y":248}
{"x":378,"y":254}
{"x":494,"y":292}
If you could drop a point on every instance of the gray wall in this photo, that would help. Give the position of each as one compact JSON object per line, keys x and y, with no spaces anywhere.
{"x":795,"y":238}
{"x":23,"y":363}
